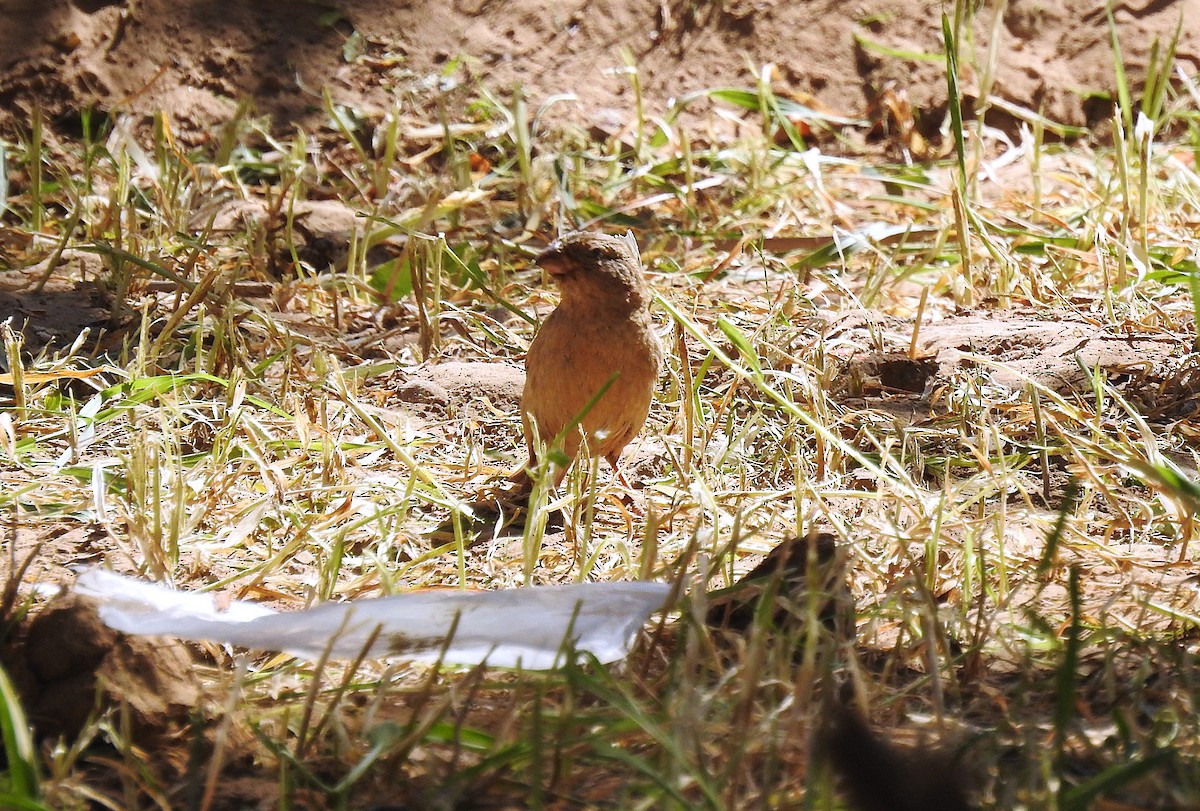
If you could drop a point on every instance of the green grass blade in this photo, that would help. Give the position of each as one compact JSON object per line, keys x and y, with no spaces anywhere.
{"x":19,"y":750}
{"x":954,"y":99}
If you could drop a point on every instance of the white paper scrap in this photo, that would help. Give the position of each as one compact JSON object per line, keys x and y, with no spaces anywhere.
{"x":521,"y":627}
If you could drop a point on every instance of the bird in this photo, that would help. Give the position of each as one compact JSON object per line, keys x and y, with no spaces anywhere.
{"x":878,"y":774}
{"x":600,"y":335}
{"x":798,"y":568}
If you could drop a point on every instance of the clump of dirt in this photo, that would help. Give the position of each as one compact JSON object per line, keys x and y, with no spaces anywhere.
{"x":52,"y":308}
{"x":456,"y":390}
{"x":198,"y":59}
{"x":69,"y":653}
{"x":1057,"y":350}
{"x":889,"y":372}
{"x":319,"y":232}
{"x":1053,"y":349}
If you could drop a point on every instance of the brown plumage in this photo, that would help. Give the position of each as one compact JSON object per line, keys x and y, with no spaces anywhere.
{"x":793,"y":571}
{"x":879,"y":775}
{"x":600,"y":328}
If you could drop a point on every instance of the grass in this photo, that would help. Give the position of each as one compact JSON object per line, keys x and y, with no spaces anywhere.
{"x":236,"y":443}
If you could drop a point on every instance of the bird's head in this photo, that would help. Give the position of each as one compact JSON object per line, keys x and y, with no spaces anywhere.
{"x":597,"y":269}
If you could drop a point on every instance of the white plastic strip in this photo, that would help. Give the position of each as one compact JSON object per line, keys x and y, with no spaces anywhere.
{"x":523,"y":627}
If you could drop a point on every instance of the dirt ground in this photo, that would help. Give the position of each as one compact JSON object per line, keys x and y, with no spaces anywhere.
{"x":197,"y":59}
{"x":201,"y":60}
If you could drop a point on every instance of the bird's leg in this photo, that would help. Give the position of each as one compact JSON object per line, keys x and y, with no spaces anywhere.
{"x":521,"y":479}
{"x":511,"y":492}
{"x":621,"y":476}
{"x":627,"y":496}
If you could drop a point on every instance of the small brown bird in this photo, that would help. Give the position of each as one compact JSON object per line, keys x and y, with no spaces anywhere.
{"x":600,"y":333}
{"x":795,"y":570}
{"x":880,"y":775}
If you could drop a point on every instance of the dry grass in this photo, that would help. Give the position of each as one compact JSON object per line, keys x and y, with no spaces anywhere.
{"x":1043,"y":633}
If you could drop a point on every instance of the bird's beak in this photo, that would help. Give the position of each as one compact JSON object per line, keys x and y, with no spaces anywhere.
{"x":552,"y":260}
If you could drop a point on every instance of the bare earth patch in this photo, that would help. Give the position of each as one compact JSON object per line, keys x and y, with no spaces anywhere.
{"x":307,"y":302}
{"x":1059,"y":351}
{"x":197,"y":59}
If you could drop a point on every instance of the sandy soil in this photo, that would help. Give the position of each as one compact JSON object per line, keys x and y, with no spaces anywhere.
{"x":197,"y":59}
